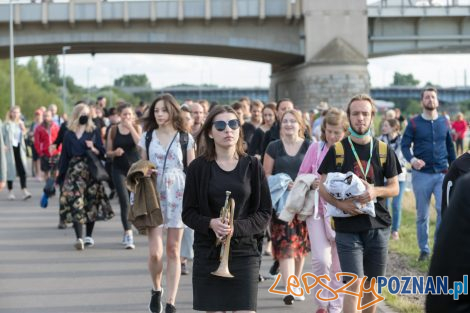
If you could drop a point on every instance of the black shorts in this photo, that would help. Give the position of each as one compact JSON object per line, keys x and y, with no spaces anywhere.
{"x":49,"y":163}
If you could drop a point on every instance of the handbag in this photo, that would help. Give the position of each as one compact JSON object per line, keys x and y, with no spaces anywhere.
{"x":95,"y":166}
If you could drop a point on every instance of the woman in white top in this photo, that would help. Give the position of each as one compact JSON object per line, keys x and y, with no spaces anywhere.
{"x":165,"y":122}
{"x":15,"y":149}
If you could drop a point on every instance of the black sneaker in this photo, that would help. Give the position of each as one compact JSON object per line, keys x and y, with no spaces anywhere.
{"x":170,"y":308}
{"x":289,"y":299}
{"x":156,"y":305}
{"x":423,"y":256}
{"x":274,"y":270}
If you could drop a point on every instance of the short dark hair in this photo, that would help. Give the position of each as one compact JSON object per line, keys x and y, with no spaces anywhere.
{"x":237,"y":106}
{"x":281,"y":101}
{"x":428,"y":89}
{"x":112,"y":111}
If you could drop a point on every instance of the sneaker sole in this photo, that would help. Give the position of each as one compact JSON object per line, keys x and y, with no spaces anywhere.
{"x":79,"y":246}
{"x":130,"y":247}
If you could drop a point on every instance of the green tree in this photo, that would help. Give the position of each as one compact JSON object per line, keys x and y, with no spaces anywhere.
{"x":35,"y":71}
{"x":404,"y":80}
{"x":29,"y":94}
{"x":51,"y":70}
{"x":133,"y":80}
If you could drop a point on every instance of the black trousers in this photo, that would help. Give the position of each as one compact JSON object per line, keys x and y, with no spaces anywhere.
{"x":20,"y":170}
{"x":119,"y":180}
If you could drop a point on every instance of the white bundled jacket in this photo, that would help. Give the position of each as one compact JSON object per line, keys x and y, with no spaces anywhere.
{"x":301,"y":200}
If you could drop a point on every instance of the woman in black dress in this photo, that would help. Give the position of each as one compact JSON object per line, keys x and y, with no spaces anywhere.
{"x":223,"y":166}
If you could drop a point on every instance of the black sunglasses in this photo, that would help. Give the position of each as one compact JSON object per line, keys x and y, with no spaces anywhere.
{"x":221,"y":125}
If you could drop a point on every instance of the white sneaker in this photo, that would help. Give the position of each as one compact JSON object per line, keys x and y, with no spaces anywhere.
{"x":11,"y":196}
{"x":26,"y":195}
{"x":129,"y":241}
{"x":79,"y":244}
{"x":89,"y":242}
{"x":298,"y":290}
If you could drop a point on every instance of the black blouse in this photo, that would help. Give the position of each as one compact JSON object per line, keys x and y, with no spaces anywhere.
{"x":204,"y":196}
{"x":73,"y":146}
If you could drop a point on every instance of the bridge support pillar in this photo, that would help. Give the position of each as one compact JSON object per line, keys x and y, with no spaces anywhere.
{"x":335,"y":65}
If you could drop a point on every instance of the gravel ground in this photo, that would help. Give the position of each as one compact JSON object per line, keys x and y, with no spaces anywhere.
{"x":396,"y":266}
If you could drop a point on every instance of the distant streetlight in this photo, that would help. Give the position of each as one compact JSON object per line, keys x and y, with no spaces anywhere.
{"x":64,"y":50}
{"x":12,"y":60}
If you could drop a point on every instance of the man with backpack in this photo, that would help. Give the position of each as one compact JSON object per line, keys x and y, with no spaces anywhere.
{"x":361,"y":239}
{"x":432,"y":153}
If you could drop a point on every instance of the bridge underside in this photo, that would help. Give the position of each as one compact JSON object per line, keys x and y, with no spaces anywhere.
{"x":271,"y":42}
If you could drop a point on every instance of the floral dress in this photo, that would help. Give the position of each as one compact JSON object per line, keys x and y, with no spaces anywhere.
{"x":170,"y":176}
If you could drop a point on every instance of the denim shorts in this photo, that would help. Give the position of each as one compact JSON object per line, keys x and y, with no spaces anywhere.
{"x":363,"y":253}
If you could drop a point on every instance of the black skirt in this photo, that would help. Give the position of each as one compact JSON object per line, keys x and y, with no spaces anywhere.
{"x":213,"y":293}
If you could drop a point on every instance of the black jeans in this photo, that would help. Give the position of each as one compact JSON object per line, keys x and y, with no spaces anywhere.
{"x":20,"y":170}
{"x":119,"y":180}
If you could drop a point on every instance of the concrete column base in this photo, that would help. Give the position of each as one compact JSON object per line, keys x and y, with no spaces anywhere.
{"x":309,"y":83}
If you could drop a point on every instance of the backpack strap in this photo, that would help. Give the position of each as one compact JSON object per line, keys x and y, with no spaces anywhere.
{"x":382,"y":152}
{"x":148,"y":139}
{"x":339,"y":154}
{"x":413,"y":124}
{"x":184,"y":140}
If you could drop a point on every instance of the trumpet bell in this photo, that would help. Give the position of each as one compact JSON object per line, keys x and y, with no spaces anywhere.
{"x":222,"y":271}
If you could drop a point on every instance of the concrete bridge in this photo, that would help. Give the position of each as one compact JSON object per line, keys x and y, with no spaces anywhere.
{"x":318,"y":49}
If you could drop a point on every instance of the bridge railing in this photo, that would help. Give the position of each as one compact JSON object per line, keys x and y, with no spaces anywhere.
{"x":417,"y":3}
{"x":85,"y":10}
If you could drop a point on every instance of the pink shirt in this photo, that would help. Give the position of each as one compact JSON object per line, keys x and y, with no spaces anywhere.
{"x":312,"y":161}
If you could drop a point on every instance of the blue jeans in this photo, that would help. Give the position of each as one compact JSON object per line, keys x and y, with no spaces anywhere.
{"x":424,"y":185}
{"x":396,"y":206}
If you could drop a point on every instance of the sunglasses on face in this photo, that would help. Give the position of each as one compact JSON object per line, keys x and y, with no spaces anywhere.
{"x":221,"y":125}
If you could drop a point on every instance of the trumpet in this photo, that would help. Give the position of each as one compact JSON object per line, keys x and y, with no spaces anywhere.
{"x":226,"y":213}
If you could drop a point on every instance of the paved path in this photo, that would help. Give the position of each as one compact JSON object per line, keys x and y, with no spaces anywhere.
{"x":41,"y":272}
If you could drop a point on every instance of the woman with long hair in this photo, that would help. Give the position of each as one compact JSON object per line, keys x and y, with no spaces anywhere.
{"x":83,"y":198}
{"x":121,"y":146}
{"x":391,"y":135}
{"x":164,"y":126}
{"x":290,"y":242}
{"x":14,"y":133}
{"x":224,"y":166}
{"x":324,"y":255}
{"x":268,"y":114}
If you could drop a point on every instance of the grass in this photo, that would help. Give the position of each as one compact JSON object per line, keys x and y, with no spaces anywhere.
{"x":401,"y":304}
{"x":407,"y":247}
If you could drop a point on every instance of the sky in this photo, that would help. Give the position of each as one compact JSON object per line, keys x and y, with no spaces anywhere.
{"x":446,"y":70}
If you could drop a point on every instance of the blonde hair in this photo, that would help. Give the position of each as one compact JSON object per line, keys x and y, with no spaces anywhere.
{"x":74,"y":124}
{"x":299,"y":119}
{"x":334,"y":117}
{"x":8,"y":117}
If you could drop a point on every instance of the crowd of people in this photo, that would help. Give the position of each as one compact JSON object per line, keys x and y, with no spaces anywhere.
{"x":262,"y":153}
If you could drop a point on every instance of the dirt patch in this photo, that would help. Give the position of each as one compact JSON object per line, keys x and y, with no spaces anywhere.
{"x":397,"y":265}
